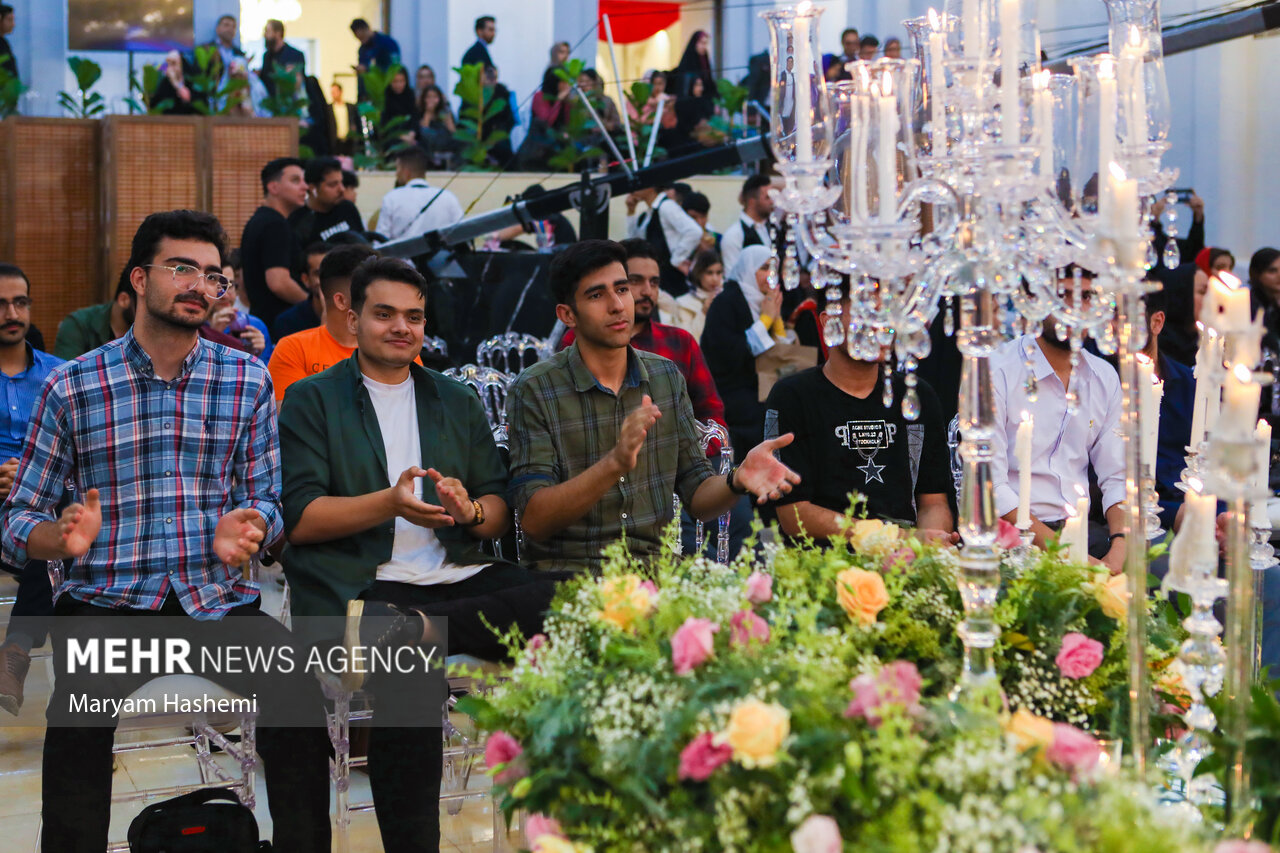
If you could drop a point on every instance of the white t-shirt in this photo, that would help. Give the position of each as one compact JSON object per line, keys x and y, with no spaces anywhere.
{"x":417,"y":555}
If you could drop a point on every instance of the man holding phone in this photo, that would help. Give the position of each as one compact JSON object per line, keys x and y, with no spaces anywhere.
{"x":1190,"y":241}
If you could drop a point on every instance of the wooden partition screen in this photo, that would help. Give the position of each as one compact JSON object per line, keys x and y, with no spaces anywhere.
{"x":49,"y":216}
{"x":238,"y":149}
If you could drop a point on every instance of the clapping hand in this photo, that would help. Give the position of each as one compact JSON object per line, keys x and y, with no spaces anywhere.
{"x":634,"y":430}
{"x":763,"y":475}
{"x":79,"y":525}
{"x":453,"y":497}
{"x":237,"y":537}
{"x":406,"y":504}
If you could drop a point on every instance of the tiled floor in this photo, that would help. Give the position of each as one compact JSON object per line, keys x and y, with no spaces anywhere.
{"x":20,"y":757}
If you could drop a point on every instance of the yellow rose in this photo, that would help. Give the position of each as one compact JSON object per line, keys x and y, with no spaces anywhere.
{"x":861,"y":594}
{"x":1029,"y":730}
{"x":873,"y":537}
{"x":556,"y":844}
{"x":756,"y":731}
{"x":1113,"y":596}
{"x":625,"y":600}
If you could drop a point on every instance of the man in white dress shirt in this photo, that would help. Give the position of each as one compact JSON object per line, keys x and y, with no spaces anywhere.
{"x":752,"y":227}
{"x":415,"y":207}
{"x":672,"y":233}
{"x":1063,"y":445}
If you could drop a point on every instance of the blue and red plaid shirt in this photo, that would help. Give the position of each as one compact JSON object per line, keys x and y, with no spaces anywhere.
{"x":169,"y":458}
{"x":676,"y":344}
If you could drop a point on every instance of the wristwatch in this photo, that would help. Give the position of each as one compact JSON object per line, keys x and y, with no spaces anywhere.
{"x":728,"y":478}
{"x":479,"y":519}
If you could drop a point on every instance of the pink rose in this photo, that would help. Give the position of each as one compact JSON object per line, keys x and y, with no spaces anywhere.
{"x":897,"y":683}
{"x":1075,"y":751}
{"x":691,"y":644}
{"x":536,"y":642}
{"x":649,"y":587}
{"x":502,"y":750}
{"x":759,"y":588}
{"x":818,"y":834}
{"x":537,"y":825}
{"x":900,"y":558}
{"x":745,"y":627}
{"x":702,"y":757}
{"x":1008,"y":536}
{"x":1239,"y":845}
{"x":1079,"y":656}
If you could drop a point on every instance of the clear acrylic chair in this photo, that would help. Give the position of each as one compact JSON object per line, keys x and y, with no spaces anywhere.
{"x":491,"y":385}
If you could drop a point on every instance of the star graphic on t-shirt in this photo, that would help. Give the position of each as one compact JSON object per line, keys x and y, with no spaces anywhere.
{"x":872,"y":470}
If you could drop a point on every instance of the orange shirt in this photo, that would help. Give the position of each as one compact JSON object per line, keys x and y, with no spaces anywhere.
{"x":305,"y":354}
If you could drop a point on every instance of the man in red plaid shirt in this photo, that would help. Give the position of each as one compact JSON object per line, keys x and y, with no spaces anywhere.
{"x":670,"y":342}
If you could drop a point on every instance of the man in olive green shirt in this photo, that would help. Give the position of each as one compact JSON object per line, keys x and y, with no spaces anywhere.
{"x":89,"y":328}
{"x":391,"y":481}
{"x":602,"y":435}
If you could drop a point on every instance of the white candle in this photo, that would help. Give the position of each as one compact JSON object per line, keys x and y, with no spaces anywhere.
{"x":1042,"y":114}
{"x":1022,"y":452}
{"x":1240,"y":397}
{"x":1150,"y":393}
{"x":1262,"y":479}
{"x":804,"y":95}
{"x":1107,"y":131}
{"x":1232,"y":302}
{"x":887,"y":153}
{"x":1075,"y":537}
{"x":1010,"y":47}
{"x":1122,"y":207}
{"x":1195,"y":541}
{"x":937,"y":83}
{"x":971,"y":21}
{"x":1132,"y":61}
{"x":1082,"y":505}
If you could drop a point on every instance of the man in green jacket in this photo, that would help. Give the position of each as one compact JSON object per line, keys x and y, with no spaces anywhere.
{"x":89,"y":328}
{"x":391,"y":481}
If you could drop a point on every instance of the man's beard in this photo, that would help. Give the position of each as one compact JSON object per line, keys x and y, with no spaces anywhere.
{"x":644,"y":311}
{"x":1052,"y":336}
{"x":170,"y":315}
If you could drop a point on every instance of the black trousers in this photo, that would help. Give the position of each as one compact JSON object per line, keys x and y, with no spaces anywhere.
{"x":405,"y":763}
{"x":77,"y":760}
{"x":33,"y":604}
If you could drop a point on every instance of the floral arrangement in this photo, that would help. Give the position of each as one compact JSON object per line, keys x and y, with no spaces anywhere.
{"x":800,"y":706}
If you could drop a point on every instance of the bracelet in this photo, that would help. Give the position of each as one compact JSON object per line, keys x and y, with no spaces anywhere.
{"x":1115,"y":536}
{"x":479,"y":519}
{"x":728,"y":478}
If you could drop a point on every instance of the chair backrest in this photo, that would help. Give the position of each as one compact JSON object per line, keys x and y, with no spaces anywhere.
{"x":492,"y":387}
{"x":512,"y":352}
{"x":431,"y":343}
{"x":953,"y":445}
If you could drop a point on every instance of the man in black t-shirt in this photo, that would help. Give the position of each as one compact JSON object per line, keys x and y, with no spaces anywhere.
{"x":326,"y":212}
{"x":269,"y":250}
{"x":848,"y":441}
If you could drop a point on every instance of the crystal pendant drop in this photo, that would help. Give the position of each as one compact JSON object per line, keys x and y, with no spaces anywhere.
{"x":1172,"y":257}
{"x":911,"y":404}
{"x":1106,"y":340}
{"x":1153,"y":257}
{"x":948,"y":318}
{"x":832,"y":333}
{"x":887,"y":397}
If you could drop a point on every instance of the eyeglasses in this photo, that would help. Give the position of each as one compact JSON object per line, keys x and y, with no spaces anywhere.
{"x":22,"y":303}
{"x":187,"y":278}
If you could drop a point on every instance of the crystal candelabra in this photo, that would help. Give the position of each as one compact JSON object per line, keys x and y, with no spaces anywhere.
{"x":967,"y":178}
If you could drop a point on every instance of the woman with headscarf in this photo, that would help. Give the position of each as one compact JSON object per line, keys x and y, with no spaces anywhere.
{"x":1264,"y":287}
{"x":1184,"y":290}
{"x":1214,"y":260}
{"x":743,"y":322}
{"x":695,"y":63}
{"x":400,"y":101}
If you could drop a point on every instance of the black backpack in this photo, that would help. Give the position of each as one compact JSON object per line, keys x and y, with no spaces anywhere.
{"x":211,"y":820}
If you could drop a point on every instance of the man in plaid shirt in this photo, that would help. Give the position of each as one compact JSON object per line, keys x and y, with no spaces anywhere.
{"x":602,"y":434}
{"x":670,"y":342}
{"x":170,"y":443}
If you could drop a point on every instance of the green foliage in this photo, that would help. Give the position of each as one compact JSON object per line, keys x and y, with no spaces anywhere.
{"x":145,"y":90}
{"x":289,"y":99}
{"x":11,"y":89}
{"x":210,"y":96}
{"x":602,"y":717}
{"x":478,"y":106}
{"x":731,"y":96}
{"x":380,"y":150}
{"x":85,"y":103}
{"x":1262,"y":748}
